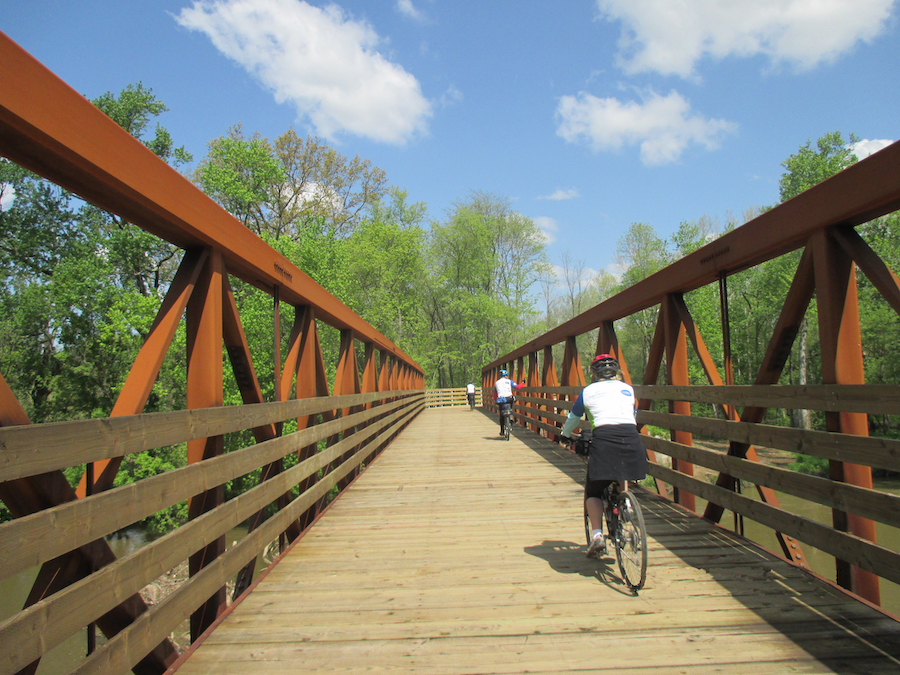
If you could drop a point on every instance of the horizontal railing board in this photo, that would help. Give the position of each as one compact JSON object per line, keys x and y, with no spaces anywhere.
{"x":883,"y":453}
{"x":872,"y":557}
{"x":875,"y":399}
{"x":29,"y":450}
{"x":42,"y":536}
{"x":39,"y":627}
{"x":873,"y":504}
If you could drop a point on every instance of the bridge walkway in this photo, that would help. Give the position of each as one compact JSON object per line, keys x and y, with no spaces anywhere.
{"x":457,"y":552}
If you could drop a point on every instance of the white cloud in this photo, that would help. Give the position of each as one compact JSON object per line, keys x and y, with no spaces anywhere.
{"x":320,"y":60}
{"x":406,"y":8}
{"x":865,"y":147}
{"x":7,"y":196}
{"x":616,"y":270}
{"x":548,"y":228}
{"x":671,"y":36}
{"x":7,"y":192}
{"x":450,"y":97}
{"x":663,"y":126}
{"x":562,"y":195}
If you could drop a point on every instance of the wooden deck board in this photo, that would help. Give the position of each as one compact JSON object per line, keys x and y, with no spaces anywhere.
{"x":456,"y":552}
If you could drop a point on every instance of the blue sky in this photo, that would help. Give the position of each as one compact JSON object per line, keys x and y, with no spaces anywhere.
{"x":589,"y":115}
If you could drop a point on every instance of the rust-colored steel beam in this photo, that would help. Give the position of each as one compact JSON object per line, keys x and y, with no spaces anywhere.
{"x":842,"y":363}
{"x":881,"y":276}
{"x":677,"y":374}
{"x":205,"y":390}
{"x":51,"y":129}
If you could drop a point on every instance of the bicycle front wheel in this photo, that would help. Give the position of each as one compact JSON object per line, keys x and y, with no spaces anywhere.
{"x":631,"y":541}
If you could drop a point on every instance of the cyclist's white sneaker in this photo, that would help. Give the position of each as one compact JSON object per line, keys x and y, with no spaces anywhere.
{"x":597,"y":547}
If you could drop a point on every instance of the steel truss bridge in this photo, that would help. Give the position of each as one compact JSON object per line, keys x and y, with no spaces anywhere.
{"x":371,"y":418}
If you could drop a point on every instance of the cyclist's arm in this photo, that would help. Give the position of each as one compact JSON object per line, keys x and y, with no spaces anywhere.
{"x":574,"y":416}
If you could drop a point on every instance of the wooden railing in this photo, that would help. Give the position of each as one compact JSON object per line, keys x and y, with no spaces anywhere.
{"x":545,"y":408}
{"x":279,"y":501}
{"x":438,"y":398}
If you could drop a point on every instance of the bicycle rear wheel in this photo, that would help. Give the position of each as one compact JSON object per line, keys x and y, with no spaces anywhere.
{"x":506,"y":423}
{"x":631,"y":541}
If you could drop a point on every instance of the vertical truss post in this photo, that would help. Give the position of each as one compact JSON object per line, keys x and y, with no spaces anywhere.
{"x":142,"y":375}
{"x":842,"y":363}
{"x":521,"y":376}
{"x":677,"y":374}
{"x":205,"y":390}
{"x":549,"y":379}
{"x":533,"y":381}
{"x":572,"y":373}
{"x":346,"y":381}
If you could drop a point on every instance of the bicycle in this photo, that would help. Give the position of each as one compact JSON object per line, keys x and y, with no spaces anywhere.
{"x":625,"y":530}
{"x":506,"y":412}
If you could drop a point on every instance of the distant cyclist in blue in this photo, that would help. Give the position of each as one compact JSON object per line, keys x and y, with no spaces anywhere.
{"x":616,"y":451}
{"x":503,"y":393}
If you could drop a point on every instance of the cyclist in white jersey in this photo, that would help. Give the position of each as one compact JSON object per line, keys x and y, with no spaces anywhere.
{"x":616,"y":452}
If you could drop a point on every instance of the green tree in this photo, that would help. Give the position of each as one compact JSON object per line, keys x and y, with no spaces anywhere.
{"x":808,"y":167}
{"x":385,"y":261}
{"x":283,"y":188}
{"x":483,"y":261}
{"x":243,"y":176}
{"x":81,"y":287}
{"x":641,"y":253}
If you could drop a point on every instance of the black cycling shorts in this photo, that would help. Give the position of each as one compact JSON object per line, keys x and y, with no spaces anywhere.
{"x":595,"y":488}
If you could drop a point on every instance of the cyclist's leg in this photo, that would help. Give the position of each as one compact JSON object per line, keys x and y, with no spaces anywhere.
{"x":594,"y":506}
{"x":595,"y":512}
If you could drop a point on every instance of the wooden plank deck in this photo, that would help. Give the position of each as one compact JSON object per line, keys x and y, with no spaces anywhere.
{"x":456,"y":552}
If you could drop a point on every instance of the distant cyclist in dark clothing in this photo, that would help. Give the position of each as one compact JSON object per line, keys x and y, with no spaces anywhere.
{"x":616,"y":451}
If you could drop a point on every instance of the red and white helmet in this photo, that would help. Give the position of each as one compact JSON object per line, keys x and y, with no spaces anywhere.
{"x":605,"y":366}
